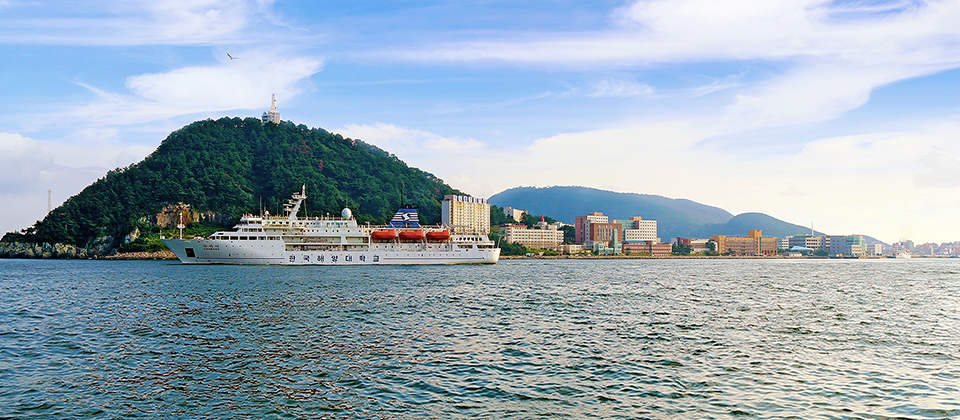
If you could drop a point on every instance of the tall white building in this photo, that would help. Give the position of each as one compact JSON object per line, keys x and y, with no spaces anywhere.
{"x":466,"y":214}
{"x":272,"y":115}
{"x":637,"y":230}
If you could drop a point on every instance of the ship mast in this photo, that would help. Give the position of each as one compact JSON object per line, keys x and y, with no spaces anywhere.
{"x":293,"y":205}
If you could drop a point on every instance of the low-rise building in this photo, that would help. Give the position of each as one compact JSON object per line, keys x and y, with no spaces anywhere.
{"x":532,"y":238}
{"x":813,"y":242}
{"x":752,"y":244}
{"x":697,"y":246}
{"x":850,"y":245}
{"x":647,"y":248}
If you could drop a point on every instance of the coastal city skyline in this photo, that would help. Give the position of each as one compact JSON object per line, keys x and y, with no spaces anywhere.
{"x":839,"y":114}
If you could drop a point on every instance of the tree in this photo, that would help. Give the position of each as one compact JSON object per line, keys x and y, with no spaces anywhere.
{"x":682,"y":249}
{"x":569,"y":234}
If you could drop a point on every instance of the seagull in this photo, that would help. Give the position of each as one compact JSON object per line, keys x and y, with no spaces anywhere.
{"x":231,"y":57}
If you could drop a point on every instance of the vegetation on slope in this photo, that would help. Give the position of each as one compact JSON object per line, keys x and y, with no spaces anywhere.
{"x":230,"y":166}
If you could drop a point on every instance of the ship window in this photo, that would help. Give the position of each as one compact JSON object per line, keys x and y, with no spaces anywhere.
{"x":190,"y":253}
{"x":234,"y":238}
{"x":263,"y":238}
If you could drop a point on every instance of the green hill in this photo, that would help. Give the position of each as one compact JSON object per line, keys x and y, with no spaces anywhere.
{"x":230,"y":166}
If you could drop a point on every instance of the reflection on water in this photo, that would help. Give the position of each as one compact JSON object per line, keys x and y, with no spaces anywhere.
{"x":520,"y":339}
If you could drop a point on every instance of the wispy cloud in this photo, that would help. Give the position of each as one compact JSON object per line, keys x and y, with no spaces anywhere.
{"x":834,"y":55}
{"x":141,"y":22}
{"x":621,"y":88}
{"x":409,"y":141}
{"x":244,"y":83}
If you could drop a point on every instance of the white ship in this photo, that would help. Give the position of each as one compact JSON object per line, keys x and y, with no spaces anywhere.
{"x":290,"y":240}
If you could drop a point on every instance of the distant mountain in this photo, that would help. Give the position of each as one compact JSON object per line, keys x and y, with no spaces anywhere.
{"x":231,"y":166}
{"x":741,"y":223}
{"x":675,"y":217}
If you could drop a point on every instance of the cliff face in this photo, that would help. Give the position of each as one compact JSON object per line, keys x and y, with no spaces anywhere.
{"x":47,"y":250}
{"x":213,"y":171}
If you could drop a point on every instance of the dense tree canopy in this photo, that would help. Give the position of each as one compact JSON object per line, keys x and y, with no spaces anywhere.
{"x":231,"y":166}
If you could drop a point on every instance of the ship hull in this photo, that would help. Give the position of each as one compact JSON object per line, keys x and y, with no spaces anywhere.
{"x":203,"y":251}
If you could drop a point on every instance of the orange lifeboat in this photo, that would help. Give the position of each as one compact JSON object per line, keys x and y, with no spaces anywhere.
{"x":438,"y":235}
{"x":411,"y":235}
{"x":382,"y":235}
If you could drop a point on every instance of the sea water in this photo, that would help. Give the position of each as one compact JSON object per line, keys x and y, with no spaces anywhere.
{"x":806,"y":339}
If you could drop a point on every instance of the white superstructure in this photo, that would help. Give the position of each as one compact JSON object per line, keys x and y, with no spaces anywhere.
{"x":334,"y":241}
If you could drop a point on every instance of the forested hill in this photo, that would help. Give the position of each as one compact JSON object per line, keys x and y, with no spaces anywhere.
{"x":232,"y":165}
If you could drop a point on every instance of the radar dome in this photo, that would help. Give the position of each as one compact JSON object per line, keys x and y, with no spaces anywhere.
{"x":346,"y":213}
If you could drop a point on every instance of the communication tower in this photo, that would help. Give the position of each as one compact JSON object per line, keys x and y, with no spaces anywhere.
{"x":272,"y":115}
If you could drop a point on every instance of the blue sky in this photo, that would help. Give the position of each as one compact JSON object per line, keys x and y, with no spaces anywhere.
{"x":840,"y":114}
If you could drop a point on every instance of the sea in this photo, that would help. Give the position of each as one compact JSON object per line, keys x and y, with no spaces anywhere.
{"x":578,"y":339}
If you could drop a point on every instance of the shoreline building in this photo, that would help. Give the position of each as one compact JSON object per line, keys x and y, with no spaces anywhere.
{"x":647,"y":247}
{"x":636,"y":229}
{"x":697,"y":245}
{"x":532,"y":238}
{"x":465,"y":214}
{"x":272,"y":115}
{"x":582,"y":225}
{"x":852,"y":245}
{"x":752,"y":244}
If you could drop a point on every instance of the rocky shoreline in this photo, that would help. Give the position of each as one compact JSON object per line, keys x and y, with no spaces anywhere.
{"x":71,"y":252}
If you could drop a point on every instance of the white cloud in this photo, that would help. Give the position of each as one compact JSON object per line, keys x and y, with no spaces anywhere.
{"x":834,"y":55}
{"x":22,"y":163}
{"x":244,"y":83}
{"x":944,"y":171}
{"x":621,"y":88}
{"x":410,"y":142}
{"x":30,"y":167}
{"x":453,"y":159}
{"x":134,"y":22}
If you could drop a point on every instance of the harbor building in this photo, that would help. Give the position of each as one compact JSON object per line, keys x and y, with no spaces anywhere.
{"x":272,"y":115}
{"x":532,"y":238}
{"x":465,"y":214}
{"x":647,"y":247}
{"x":582,"y":225}
{"x":850,"y":245}
{"x":636,"y":229}
{"x":697,"y":245}
{"x":815,"y":243}
{"x":609,"y":234}
{"x":752,"y":244}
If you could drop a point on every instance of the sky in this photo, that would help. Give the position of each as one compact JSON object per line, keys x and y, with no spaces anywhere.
{"x":841,"y":115}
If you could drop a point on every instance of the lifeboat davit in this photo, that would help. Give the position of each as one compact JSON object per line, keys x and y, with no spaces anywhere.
{"x":411,"y":235}
{"x":438,"y":235}
{"x":383,"y":234}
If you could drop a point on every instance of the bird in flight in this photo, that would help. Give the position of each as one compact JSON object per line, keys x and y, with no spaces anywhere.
{"x":231,"y":57}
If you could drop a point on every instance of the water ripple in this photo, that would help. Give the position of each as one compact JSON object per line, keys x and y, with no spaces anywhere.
{"x":569,"y":339}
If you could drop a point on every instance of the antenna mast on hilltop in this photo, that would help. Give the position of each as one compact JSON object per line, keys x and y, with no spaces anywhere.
{"x":49,"y":201}
{"x":272,"y":115}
